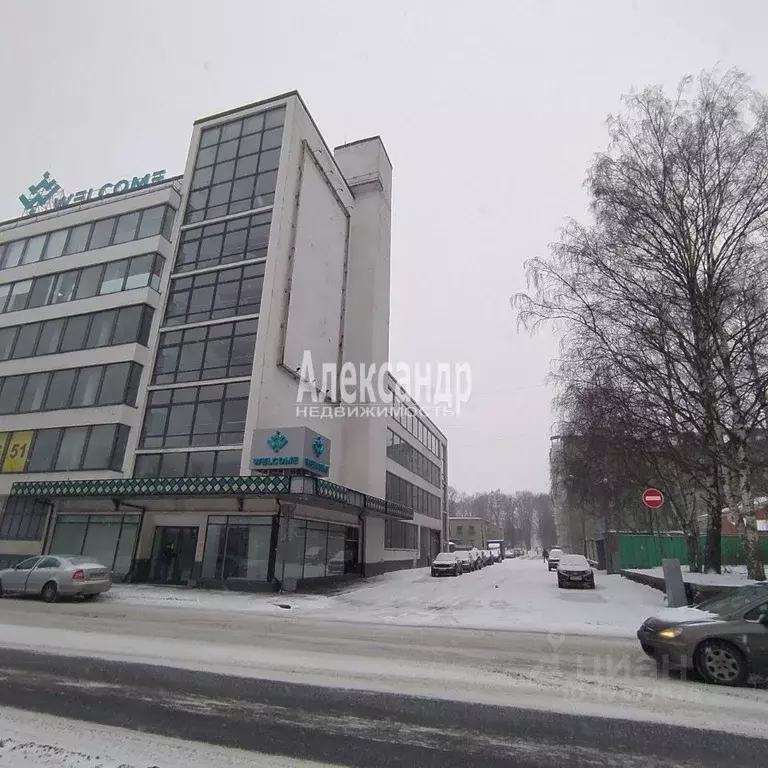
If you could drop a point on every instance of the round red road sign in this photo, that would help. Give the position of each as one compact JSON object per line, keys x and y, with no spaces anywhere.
{"x":653,"y":498}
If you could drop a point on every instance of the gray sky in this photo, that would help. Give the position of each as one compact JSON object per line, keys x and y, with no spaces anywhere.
{"x":490,"y":112}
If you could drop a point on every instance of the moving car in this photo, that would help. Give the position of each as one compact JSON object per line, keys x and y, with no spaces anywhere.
{"x":553,"y":561}
{"x":447,"y":564}
{"x":575,"y":571}
{"x":724,"y":638}
{"x":54,"y":576}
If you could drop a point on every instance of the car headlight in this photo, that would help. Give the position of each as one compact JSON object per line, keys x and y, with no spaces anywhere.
{"x":670,"y":633}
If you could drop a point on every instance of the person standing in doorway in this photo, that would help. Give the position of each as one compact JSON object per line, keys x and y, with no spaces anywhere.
{"x":167,"y":556}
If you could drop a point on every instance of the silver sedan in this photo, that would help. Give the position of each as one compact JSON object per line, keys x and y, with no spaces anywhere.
{"x":54,"y":576}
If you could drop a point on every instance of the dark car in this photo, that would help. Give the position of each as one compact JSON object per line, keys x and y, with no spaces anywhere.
{"x":575,"y":571}
{"x":447,"y":564}
{"x":724,"y":638}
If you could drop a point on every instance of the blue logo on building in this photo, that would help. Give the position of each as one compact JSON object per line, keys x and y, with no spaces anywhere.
{"x":318,"y":446}
{"x":278,"y":441}
{"x":40,"y":193}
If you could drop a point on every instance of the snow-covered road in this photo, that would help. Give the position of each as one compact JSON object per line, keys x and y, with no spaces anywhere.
{"x":517,"y":594}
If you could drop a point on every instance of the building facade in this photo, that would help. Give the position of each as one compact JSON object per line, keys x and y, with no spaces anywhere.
{"x":152,"y":340}
{"x":468,"y":532}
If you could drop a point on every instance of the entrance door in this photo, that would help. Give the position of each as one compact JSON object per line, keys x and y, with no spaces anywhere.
{"x":173,"y":554}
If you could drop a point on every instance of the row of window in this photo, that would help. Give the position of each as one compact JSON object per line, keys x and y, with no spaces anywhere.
{"x":236,"y":167}
{"x":411,"y":496}
{"x":85,"y":237}
{"x":110,"y":327}
{"x":224,"y":243}
{"x":220,"y":351}
{"x":188,"y":464}
{"x":407,"y":456}
{"x":212,"y":295}
{"x":193,"y":416}
{"x":96,"y":385}
{"x":406,"y":415}
{"x":22,"y":518}
{"x":99,"y":446}
{"x":400,"y":535}
{"x":313,"y":550}
{"x":84,"y":283}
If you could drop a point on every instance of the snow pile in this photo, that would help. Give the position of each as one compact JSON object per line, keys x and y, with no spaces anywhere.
{"x":29,"y":740}
{"x":736,"y":576}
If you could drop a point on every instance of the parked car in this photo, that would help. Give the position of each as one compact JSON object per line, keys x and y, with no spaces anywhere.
{"x":553,"y":560}
{"x":575,"y":571}
{"x":447,"y":564}
{"x":477,"y":559}
{"x":467,"y":562}
{"x":724,"y":638}
{"x":496,"y":546}
{"x":488,"y":557}
{"x":54,"y":576}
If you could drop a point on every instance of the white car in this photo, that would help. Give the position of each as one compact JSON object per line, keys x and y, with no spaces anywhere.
{"x":52,"y":576}
{"x":575,"y":571}
{"x":553,"y":559}
{"x":447,"y":564}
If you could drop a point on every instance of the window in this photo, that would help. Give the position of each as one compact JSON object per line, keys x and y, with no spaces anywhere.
{"x":28,"y":564}
{"x":112,"y":277}
{"x":127,"y":325}
{"x":224,"y":243}
{"x":210,"y":415}
{"x":402,"y":492}
{"x":188,"y":464}
{"x":400,"y":535}
{"x":230,"y":159}
{"x":87,"y":387}
{"x":34,"y":392}
{"x":70,"y":448}
{"x":215,"y":294}
{"x":61,"y":389}
{"x":214,"y":352}
{"x":406,"y":455}
{"x":10,"y":393}
{"x":114,"y":384}
{"x":126,"y":227}
{"x":238,"y":547}
{"x":130,"y":226}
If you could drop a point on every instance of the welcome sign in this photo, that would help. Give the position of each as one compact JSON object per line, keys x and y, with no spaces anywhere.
{"x":48,"y":195}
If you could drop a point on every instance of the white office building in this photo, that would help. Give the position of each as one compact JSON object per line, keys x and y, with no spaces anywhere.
{"x":152,"y":337}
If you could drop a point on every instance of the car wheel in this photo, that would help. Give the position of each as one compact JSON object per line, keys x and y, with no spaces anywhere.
{"x":1,"y":588}
{"x":50,"y":592}
{"x":721,"y":663}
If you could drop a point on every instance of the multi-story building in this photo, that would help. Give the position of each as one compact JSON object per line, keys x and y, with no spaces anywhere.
{"x":468,"y":532}
{"x":153,"y":334}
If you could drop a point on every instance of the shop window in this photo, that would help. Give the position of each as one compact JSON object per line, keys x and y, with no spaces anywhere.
{"x":238,"y":548}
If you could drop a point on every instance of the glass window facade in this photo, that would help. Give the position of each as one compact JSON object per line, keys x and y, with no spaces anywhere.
{"x":407,"y":456}
{"x":236,"y":167}
{"x":192,"y":416}
{"x":108,"y":539}
{"x":96,"y":280}
{"x":70,"y":448}
{"x":411,"y":496}
{"x":400,"y":535}
{"x":96,"y":234}
{"x":188,"y":464}
{"x":23,"y":519}
{"x":238,"y":547}
{"x":311,"y":550}
{"x":127,"y":325}
{"x":113,"y":384}
{"x":225,"y":243}
{"x":406,"y":413}
{"x":213,"y":295}
{"x":220,"y":351}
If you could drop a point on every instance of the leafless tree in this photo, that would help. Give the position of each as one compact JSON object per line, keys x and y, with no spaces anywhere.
{"x":663,"y":294}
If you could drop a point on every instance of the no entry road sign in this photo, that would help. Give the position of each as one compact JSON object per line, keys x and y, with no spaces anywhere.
{"x":653,"y":498}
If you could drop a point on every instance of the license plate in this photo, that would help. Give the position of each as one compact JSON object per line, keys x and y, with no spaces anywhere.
{"x":96,"y":575}
{"x":576,"y":578}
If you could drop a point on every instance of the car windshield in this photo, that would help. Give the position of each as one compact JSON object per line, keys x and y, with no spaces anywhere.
{"x":555,"y":553}
{"x":738,"y":600}
{"x":573,"y":561}
{"x":463,"y":555}
{"x":445,"y":557}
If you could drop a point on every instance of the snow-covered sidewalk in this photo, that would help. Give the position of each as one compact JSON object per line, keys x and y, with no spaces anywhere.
{"x":31,"y":740}
{"x":517,"y":594}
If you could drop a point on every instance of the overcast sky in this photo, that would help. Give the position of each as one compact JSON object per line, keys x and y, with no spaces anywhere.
{"x":490,"y":112}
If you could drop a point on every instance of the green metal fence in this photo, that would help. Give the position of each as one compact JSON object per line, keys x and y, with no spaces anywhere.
{"x":645,"y":551}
